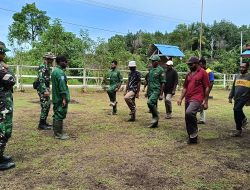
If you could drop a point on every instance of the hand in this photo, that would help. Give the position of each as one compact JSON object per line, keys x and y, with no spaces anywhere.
{"x":64,"y":103}
{"x":230,"y":100}
{"x":5,"y":65}
{"x":204,"y":105}
{"x":46,"y":93}
{"x":137,"y":95}
{"x":173,"y":93}
{"x":161,"y":97}
{"x":179,"y":102}
{"x":116,"y":89}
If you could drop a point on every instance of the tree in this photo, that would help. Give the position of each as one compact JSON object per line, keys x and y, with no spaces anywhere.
{"x":28,"y":25}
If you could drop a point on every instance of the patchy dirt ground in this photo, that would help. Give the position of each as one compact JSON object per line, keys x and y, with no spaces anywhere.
{"x":106,"y":152}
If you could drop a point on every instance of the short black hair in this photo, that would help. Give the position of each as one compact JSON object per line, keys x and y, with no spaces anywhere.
{"x":115,"y":62}
{"x":203,"y":61}
{"x":61,"y":58}
{"x":247,"y":64}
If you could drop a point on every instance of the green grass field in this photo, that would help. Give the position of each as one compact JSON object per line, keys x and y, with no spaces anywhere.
{"x":106,"y":152}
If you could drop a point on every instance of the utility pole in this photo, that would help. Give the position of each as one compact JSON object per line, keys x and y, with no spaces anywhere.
{"x":241,"y":41}
{"x":201,"y":25}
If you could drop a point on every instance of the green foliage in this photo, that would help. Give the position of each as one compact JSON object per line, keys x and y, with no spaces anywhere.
{"x":28,"y":25}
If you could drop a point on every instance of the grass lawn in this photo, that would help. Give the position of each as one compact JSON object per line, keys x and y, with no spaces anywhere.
{"x":106,"y":152}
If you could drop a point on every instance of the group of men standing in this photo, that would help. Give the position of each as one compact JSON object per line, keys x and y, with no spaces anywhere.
{"x":196,"y":89}
{"x":60,"y":94}
{"x":197,"y":86}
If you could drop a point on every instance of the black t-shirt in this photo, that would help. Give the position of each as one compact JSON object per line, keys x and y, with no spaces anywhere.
{"x":134,"y":77}
{"x":171,"y":80}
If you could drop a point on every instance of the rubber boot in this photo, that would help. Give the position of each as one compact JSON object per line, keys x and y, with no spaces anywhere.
{"x":43,"y":125}
{"x":5,"y":164}
{"x":114,"y":111}
{"x":58,"y":130}
{"x":132,"y":117}
{"x":155,"y":119}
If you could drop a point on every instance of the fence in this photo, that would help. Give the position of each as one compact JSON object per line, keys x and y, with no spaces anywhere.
{"x":94,"y":78}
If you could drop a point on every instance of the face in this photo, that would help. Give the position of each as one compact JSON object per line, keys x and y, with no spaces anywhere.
{"x":192,"y":66}
{"x":243,"y":68}
{"x":203,"y":66}
{"x":132,"y":68}
{"x":169,"y":67}
{"x":154,"y":63}
{"x":113,"y":65}
{"x":64,"y":64}
{"x":49,"y":61}
{"x":2,"y":55}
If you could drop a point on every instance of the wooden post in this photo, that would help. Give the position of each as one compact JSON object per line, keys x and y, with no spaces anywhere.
{"x":17,"y":77}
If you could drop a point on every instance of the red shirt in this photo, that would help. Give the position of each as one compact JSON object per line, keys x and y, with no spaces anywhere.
{"x":196,"y":85}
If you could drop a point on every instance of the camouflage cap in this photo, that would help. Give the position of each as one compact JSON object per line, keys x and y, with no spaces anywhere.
{"x":3,"y":48}
{"x":49,"y":55}
{"x":155,"y":58}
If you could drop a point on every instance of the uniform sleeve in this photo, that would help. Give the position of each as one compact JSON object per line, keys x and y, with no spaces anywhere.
{"x":120,"y":76}
{"x":162,"y":76}
{"x":41,"y":78}
{"x":62,"y":84}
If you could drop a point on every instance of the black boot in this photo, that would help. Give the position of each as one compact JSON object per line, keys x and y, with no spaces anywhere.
{"x":193,"y":140}
{"x":153,"y":124}
{"x":43,"y":125}
{"x":132,"y":117}
{"x":5,"y":163}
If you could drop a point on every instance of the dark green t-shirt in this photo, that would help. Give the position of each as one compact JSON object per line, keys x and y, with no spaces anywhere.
{"x":156,"y":78}
{"x":115,"y":77}
{"x":59,"y":85}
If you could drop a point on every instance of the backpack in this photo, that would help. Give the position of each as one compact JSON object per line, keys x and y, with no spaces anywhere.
{"x":36,"y":83}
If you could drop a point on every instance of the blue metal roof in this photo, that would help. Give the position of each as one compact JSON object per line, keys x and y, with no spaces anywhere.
{"x":246,"y":53}
{"x":169,"y":50}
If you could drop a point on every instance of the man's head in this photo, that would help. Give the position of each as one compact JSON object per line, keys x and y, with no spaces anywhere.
{"x":155,"y":60}
{"x":244,"y":68}
{"x":132,"y":65}
{"x":169,"y":64}
{"x":62,"y":61}
{"x":49,"y":58}
{"x":193,"y":63}
{"x":203,"y":63}
{"x":3,"y":50}
{"x":114,"y":64}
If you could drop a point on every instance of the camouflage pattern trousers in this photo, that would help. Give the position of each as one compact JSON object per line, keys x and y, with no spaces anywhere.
{"x":6,"y":115}
{"x":45,"y":106}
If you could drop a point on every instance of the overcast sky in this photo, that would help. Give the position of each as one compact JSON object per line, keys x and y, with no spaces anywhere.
{"x":112,"y":17}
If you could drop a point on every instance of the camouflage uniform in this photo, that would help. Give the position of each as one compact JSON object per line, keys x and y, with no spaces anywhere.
{"x":43,"y":87}
{"x":7,"y":81}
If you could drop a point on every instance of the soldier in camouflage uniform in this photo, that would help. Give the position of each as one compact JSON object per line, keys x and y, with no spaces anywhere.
{"x":60,"y":97}
{"x":43,"y":90}
{"x":7,"y":81}
{"x":115,"y":78}
{"x":155,"y":89}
